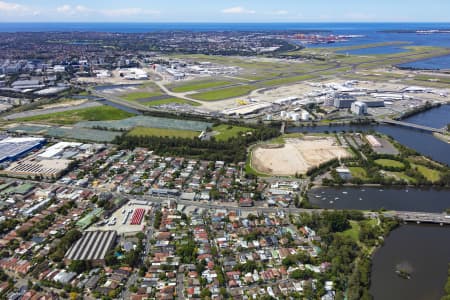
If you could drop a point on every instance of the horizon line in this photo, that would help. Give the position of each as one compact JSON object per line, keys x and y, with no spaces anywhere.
{"x":226,"y":22}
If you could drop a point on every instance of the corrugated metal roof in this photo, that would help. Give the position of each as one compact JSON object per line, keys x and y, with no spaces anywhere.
{"x":92,"y":245}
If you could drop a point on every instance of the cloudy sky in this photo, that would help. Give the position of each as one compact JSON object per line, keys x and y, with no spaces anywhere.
{"x":225,"y":11}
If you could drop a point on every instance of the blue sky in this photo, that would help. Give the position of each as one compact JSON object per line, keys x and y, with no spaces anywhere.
{"x":225,"y":11}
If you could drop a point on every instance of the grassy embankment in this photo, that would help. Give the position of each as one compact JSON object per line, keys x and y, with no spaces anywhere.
{"x":226,"y":132}
{"x":171,"y":101}
{"x":198,"y":85}
{"x":99,"y":113}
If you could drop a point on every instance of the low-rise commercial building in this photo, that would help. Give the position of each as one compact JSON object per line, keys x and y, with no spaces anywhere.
{"x":92,"y":247}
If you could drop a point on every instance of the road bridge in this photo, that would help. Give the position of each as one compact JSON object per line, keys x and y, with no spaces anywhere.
{"x":411,"y":125}
{"x":421,"y":217}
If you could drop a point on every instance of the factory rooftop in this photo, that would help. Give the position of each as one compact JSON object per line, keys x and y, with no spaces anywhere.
{"x":13,"y":148}
{"x":92,"y":246}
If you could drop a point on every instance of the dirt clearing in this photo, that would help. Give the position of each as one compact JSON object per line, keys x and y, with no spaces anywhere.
{"x":296,"y":155}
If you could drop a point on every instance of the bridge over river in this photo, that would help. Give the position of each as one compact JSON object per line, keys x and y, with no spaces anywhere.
{"x":421,"y":217}
{"x":412,"y":125}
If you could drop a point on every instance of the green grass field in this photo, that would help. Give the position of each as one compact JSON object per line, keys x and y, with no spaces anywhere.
{"x":429,"y":174}
{"x":171,"y":100}
{"x":145,"y":131}
{"x":99,"y":113}
{"x":358,"y":172}
{"x":389,"y":163}
{"x":140,"y":95}
{"x":199,"y":85}
{"x":403,"y":176}
{"x":227,"y":131}
{"x":354,"y":231}
{"x":222,"y":94}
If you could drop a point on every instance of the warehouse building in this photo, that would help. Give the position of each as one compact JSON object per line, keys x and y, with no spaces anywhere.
{"x":359,"y":108}
{"x":12,"y":149}
{"x":92,"y":247}
{"x":344,"y":101}
{"x":47,"y":168}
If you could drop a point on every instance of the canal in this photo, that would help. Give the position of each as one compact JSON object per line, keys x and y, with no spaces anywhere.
{"x":425,"y":250}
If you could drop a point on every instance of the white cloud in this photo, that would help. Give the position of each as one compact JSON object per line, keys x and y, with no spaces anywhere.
{"x":73,"y":10}
{"x":119,"y":12}
{"x":127,"y":12}
{"x":82,"y":9}
{"x":15,"y":9}
{"x":280,"y":12}
{"x":64,"y":9}
{"x":238,"y":10}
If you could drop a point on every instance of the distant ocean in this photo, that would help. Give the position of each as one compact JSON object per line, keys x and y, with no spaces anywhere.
{"x":371,"y":32}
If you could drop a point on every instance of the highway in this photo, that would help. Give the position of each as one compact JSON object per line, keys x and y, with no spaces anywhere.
{"x":131,"y":104}
{"x":407,"y":216}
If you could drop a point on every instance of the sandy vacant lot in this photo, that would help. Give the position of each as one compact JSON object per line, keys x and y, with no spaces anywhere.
{"x":296,"y":155}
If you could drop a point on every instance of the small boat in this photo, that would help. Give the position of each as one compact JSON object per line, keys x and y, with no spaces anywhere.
{"x":381,"y":190}
{"x":337,"y":198}
{"x":363,"y":190}
{"x":331,"y":202}
{"x":345,"y":193}
{"x":360,"y":199}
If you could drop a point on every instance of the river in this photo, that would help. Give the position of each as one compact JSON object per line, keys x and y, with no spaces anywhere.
{"x":438,"y":117}
{"x":424,"y":248}
{"x":371,"y":198}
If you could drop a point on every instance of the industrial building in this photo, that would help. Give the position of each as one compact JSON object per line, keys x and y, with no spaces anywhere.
{"x":359,"y":108}
{"x":247,"y":109}
{"x":92,"y":247}
{"x":344,"y":101}
{"x":12,"y":149}
{"x":373,"y":103}
{"x":373,"y":141}
{"x":46,"y":168}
